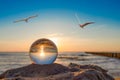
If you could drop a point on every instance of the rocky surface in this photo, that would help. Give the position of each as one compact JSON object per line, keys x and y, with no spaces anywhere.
{"x":57,"y":72}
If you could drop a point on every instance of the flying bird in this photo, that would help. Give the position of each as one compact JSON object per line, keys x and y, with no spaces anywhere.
{"x":26,"y":19}
{"x":85,"y":24}
{"x":82,"y":25}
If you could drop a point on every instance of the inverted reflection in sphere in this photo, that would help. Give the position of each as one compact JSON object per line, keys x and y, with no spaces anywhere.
{"x":43,"y":51}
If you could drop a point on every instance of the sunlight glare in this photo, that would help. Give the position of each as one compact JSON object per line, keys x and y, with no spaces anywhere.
{"x":42,"y":54}
{"x":55,"y":40}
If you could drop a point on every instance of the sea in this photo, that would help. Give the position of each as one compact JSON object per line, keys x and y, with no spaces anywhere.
{"x":10,"y":60}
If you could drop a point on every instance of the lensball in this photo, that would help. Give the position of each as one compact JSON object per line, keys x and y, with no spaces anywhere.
{"x":43,"y":51}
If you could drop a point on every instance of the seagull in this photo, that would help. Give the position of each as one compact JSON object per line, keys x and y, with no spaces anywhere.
{"x":82,"y":25}
{"x":85,"y":24}
{"x":26,"y":19}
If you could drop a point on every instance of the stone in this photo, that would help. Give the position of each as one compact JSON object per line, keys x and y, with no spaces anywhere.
{"x":57,"y":72}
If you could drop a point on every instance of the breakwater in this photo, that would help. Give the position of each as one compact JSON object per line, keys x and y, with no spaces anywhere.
{"x":108,"y":54}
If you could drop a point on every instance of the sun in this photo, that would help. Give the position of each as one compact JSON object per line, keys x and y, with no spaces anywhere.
{"x":42,"y":54}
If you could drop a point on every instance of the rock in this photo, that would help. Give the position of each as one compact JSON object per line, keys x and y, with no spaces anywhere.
{"x":57,"y":72}
{"x":35,"y":70}
{"x":73,"y":65}
{"x":91,"y":74}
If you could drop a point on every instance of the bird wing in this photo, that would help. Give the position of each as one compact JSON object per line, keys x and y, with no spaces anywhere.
{"x":77,"y":18}
{"x":32,"y":16}
{"x":26,"y":19}
{"x":85,"y":24}
{"x":19,"y":20}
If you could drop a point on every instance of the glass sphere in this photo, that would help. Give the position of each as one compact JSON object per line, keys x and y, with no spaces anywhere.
{"x":43,"y":51}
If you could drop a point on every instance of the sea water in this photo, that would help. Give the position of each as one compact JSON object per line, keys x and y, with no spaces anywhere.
{"x":9,"y":60}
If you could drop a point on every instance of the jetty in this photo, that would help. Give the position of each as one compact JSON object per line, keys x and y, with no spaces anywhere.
{"x":108,"y":54}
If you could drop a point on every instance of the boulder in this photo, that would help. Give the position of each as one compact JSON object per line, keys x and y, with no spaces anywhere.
{"x":57,"y":72}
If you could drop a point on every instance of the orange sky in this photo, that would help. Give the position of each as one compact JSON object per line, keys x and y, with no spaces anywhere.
{"x":63,"y":29}
{"x":63,"y":44}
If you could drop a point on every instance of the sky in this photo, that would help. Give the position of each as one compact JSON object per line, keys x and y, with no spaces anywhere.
{"x":57,"y":21}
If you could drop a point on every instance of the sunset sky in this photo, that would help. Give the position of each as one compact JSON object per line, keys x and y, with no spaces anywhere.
{"x":57,"y":21}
